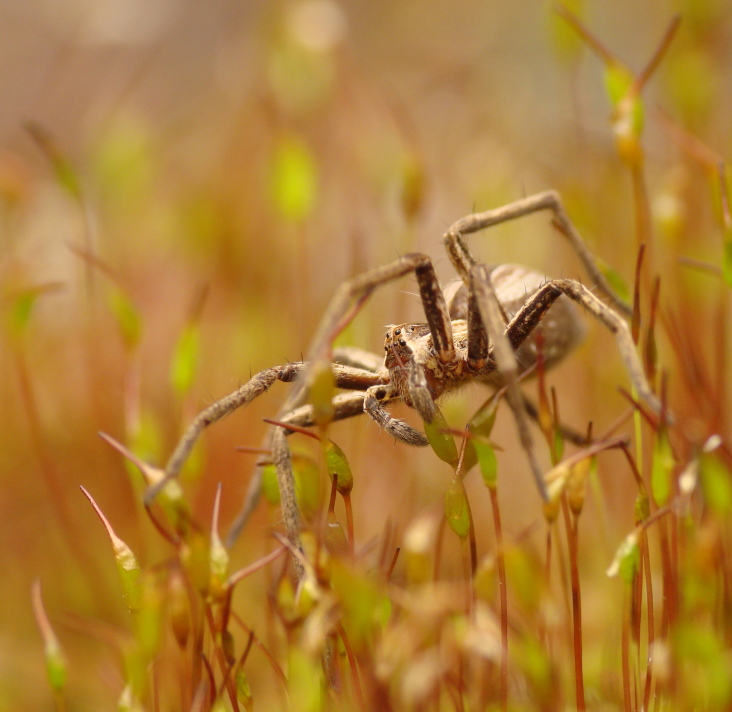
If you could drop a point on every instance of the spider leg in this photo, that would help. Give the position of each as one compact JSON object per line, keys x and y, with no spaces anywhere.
{"x":482,"y":291}
{"x":536,"y":306}
{"x":345,"y":304}
{"x":353,"y":294}
{"x":345,"y":377}
{"x":373,"y":405}
{"x":463,"y":260}
{"x":505,"y":342}
{"x":358,"y":358}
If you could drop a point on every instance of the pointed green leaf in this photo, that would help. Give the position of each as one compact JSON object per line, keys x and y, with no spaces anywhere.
{"x":487,"y":462}
{"x":457,"y":508}
{"x":617,"y":283}
{"x":243,"y":691}
{"x":322,"y":391}
{"x":185,"y":359}
{"x":23,"y":303}
{"x":337,"y":464}
{"x":440,"y":440}
{"x":482,"y":422}
{"x":627,"y":559}
{"x":270,"y":488}
{"x":127,"y":565}
{"x":727,"y":262}
{"x":663,"y":463}
{"x":218,"y":561}
{"x":618,"y":80}
{"x":308,"y":484}
{"x":294,"y":182}
{"x":716,"y":484}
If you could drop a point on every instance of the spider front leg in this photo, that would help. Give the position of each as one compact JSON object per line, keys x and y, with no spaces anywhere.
{"x":344,"y":306}
{"x":463,"y":260}
{"x":373,"y":405}
{"x":353,"y":294}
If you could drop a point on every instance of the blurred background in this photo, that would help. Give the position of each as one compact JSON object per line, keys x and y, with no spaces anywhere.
{"x":183,"y":185}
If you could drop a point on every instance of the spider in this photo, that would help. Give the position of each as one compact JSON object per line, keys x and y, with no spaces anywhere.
{"x":423,"y":361}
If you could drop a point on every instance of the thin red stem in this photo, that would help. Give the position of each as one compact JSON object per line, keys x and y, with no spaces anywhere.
{"x":503,"y":597}
{"x":570,"y":523}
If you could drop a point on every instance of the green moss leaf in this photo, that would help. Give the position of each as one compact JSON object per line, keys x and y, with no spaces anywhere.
{"x":716,"y":484}
{"x":487,"y":462}
{"x":457,"y":508}
{"x":337,"y":464}
{"x":440,"y":440}
{"x":663,"y":463}
{"x":294,"y":180}
{"x":185,"y":359}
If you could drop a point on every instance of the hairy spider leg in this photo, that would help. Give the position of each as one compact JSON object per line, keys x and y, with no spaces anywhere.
{"x":462,"y":259}
{"x":345,"y":377}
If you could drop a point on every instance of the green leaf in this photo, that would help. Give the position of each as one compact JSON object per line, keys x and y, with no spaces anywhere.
{"x":487,"y":462}
{"x":243,"y":691}
{"x":457,"y":508}
{"x":627,"y":559}
{"x":307,"y":484}
{"x":21,"y":311}
{"x":23,"y":304}
{"x":470,"y":458}
{"x":705,"y":674}
{"x":716,"y":484}
{"x":482,"y":422}
{"x":304,"y":680}
{"x":149,"y":618}
{"x":618,"y":80}
{"x":337,"y":464}
{"x":270,"y":488}
{"x":440,"y":440}
{"x":364,"y":608}
{"x":613,"y":277}
{"x":565,"y":40}
{"x":294,"y":182}
{"x":663,"y":463}
{"x":727,"y":262}
{"x":55,"y":665}
{"x":322,"y":391}
{"x":185,"y":359}
{"x":218,"y":561}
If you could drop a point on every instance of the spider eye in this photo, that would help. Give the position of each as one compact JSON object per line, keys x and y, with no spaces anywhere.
{"x":397,"y":332}
{"x":402,"y":342}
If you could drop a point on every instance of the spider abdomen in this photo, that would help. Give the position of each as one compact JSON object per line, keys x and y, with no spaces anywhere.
{"x":559,"y":332}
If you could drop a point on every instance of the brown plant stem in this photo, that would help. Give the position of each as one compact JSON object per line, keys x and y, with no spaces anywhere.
{"x":503,"y":596}
{"x":570,"y":522}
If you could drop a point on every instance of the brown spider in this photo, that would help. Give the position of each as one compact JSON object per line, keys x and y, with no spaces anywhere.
{"x":424,"y":361}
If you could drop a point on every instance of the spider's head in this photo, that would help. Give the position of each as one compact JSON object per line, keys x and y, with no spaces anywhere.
{"x":402,"y":341}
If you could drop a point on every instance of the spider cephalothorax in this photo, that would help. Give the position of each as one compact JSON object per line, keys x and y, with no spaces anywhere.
{"x":410,"y":355}
{"x":411,"y":345}
{"x":526,"y":316}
